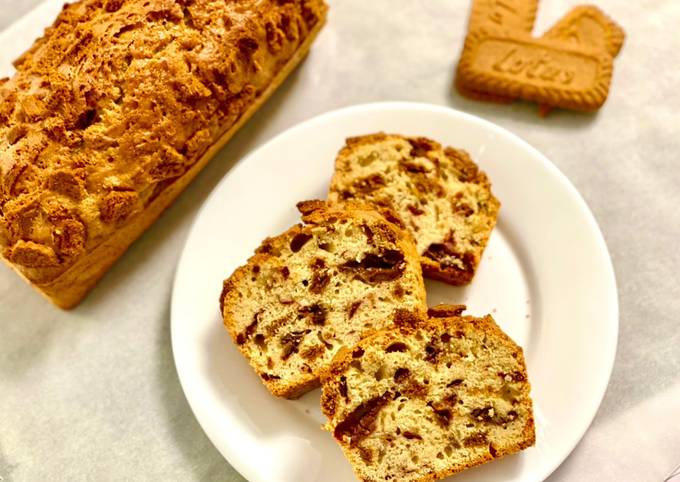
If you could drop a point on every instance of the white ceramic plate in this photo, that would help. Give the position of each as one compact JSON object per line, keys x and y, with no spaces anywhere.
{"x":546,"y":277}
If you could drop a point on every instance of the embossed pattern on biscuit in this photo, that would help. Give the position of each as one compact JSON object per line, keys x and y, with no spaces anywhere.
{"x":506,"y":14}
{"x":540,"y":70}
{"x":584,"y":25}
{"x":587,"y":25}
{"x":472,"y":93}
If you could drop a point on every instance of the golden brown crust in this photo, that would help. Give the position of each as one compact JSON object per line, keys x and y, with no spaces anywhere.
{"x":84,"y":163}
{"x":405,"y":177}
{"x":445,"y":311}
{"x":308,"y":207}
{"x":300,"y":293}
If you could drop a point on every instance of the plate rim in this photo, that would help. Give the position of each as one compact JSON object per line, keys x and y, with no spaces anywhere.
{"x":609,"y":276}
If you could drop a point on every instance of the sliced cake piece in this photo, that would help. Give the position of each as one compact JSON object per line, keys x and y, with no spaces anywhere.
{"x":439,"y":193}
{"x":429,"y":398}
{"x":319,"y":286}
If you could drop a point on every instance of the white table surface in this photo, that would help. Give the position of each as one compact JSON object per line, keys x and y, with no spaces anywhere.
{"x":93,"y":393}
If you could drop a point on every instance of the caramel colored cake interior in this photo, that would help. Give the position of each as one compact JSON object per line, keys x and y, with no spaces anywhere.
{"x":423,"y":401}
{"x":440,"y":195}
{"x":319,"y":287}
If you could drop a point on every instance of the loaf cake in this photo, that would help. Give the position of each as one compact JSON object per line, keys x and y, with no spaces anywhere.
{"x":115,"y":109}
{"x":429,"y":398}
{"x":438,"y":193}
{"x":317,"y":287}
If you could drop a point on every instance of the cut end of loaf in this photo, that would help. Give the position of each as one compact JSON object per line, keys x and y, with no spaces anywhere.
{"x":438,"y":194}
{"x":321,"y":286}
{"x":421,"y":403}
